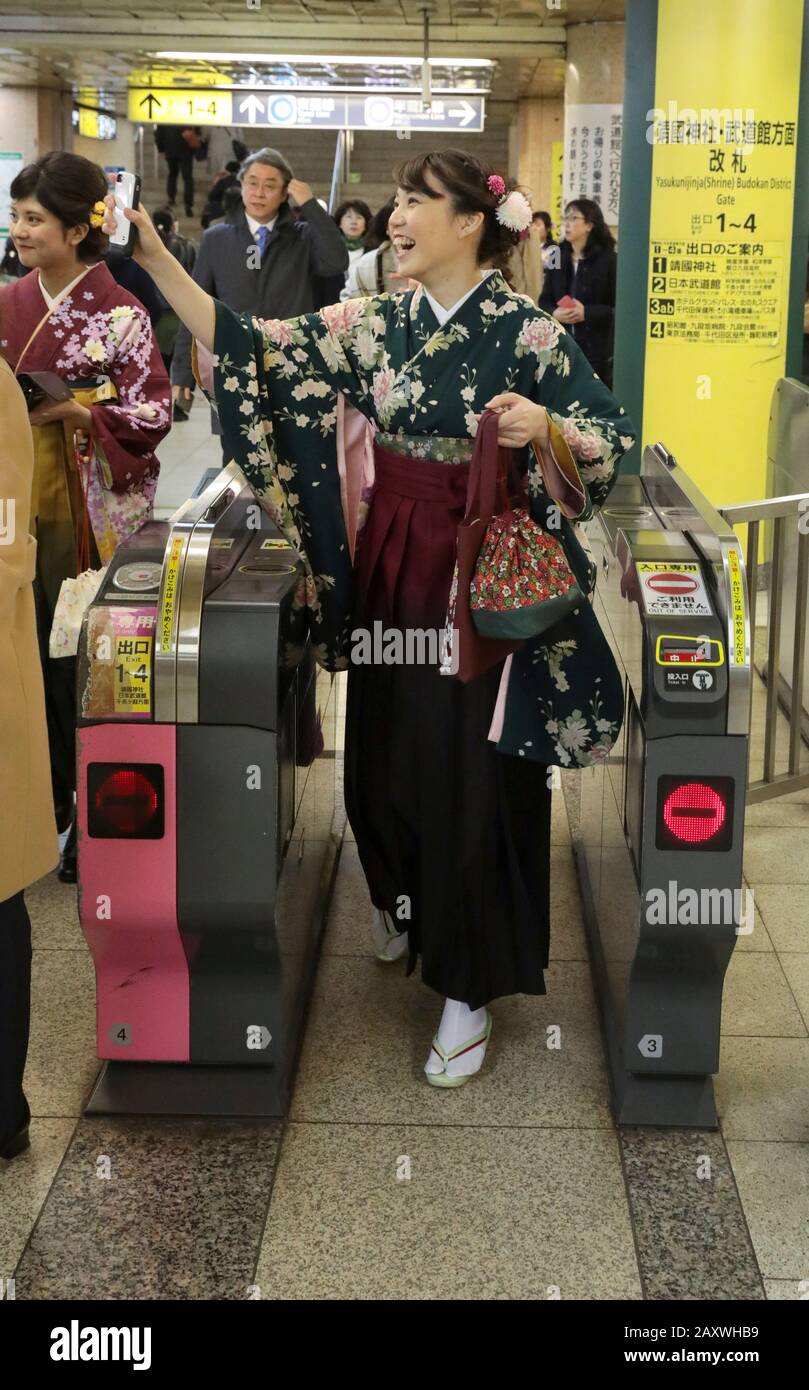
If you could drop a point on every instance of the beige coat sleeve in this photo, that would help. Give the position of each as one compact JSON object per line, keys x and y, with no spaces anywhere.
{"x":28,"y":841}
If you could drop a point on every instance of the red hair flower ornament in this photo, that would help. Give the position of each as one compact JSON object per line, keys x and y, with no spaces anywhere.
{"x":513,"y":209}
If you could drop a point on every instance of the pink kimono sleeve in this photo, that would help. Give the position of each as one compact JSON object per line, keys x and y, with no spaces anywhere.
{"x":129,"y":430}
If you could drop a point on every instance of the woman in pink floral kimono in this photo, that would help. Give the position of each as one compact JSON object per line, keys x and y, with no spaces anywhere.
{"x":95,"y":469}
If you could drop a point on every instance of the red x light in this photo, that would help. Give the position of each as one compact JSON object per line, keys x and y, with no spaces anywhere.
{"x":125,"y":802}
{"x":694,"y":813}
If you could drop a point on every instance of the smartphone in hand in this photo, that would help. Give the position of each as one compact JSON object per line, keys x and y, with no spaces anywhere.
{"x":566,"y":302}
{"x":127,"y":195}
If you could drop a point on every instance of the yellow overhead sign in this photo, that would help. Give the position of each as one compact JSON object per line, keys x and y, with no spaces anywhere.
{"x":199,"y":75}
{"x":179,"y":107}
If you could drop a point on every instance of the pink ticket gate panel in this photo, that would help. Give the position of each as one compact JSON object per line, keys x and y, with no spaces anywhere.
{"x":128,"y":898}
{"x":207,"y":829}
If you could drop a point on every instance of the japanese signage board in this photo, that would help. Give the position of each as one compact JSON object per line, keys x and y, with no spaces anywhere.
{"x":593,"y":156}
{"x":723,"y":134}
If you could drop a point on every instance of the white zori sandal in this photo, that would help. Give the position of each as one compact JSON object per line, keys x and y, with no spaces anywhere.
{"x":388,"y":943}
{"x":440,"y":1078}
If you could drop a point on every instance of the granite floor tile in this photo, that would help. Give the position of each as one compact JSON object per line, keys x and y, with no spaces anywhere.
{"x":689,"y":1225}
{"x":795,"y":966}
{"x":560,"y":826}
{"x":773,"y":1183}
{"x":568,"y":941}
{"x":786,"y":1288}
{"x":24,"y":1185}
{"x":62,"y":1060}
{"x":348,"y":929}
{"x":179,"y":1216}
{"x":757,"y":1000}
{"x":779,"y":812}
{"x":53,"y":909}
{"x":762,"y":1088}
{"x":759,"y":938}
{"x":775,"y":854}
{"x":408,"y":1212}
{"x":785,"y":913}
{"x":369,"y":1034}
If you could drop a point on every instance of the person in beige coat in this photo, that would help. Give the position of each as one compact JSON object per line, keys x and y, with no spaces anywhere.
{"x":29,"y":846}
{"x":525,"y":265}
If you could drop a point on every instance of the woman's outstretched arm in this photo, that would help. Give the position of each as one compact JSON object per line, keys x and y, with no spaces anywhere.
{"x":189,"y":302}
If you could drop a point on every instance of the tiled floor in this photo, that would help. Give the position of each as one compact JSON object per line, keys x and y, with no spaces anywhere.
{"x":516,"y":1186}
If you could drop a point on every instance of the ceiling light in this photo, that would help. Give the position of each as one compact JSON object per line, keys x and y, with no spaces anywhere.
{"x":342,"y":60}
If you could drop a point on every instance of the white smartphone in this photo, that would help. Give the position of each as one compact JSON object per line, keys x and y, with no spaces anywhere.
{"x":127,"y":195}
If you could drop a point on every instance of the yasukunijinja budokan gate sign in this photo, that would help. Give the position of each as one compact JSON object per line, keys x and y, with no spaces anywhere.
{"x":309,"y":110}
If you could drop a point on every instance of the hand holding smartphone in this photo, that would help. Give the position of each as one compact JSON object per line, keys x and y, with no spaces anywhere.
{"x":39,"y":387}
{"x":127,"y":195}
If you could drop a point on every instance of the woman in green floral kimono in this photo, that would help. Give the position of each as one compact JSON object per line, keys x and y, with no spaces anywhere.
{"x":449,"y":799}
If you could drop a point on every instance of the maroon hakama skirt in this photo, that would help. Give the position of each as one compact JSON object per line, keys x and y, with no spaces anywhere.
{"x":447,"y":828}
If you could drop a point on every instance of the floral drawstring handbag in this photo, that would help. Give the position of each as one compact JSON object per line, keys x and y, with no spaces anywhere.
{"x":522,"y":584}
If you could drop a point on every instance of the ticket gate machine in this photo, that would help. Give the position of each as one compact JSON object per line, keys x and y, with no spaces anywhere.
{"x":659,"y":848}
{"x":206,"y":812}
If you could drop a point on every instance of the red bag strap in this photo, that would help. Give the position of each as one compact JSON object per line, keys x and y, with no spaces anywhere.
{"x":490,"y":467}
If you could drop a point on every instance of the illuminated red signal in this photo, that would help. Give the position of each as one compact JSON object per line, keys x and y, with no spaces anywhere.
{"x":694,"y":813}
{"x":125,"y":802}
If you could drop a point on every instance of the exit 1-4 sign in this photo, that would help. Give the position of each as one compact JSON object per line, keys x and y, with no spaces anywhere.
{"x":194,"y":107}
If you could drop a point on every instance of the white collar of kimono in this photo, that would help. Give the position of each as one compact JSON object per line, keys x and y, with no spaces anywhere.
{"x":50,"y":299}
{"x":443,"y":314}
{"x":254,"y":225}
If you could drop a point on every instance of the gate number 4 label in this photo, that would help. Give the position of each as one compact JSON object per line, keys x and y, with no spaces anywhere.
{"x":258,"y":1037}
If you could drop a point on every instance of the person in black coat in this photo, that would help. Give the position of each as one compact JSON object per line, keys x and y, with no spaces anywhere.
{"x":214,"y":208}
{"x":179,"y":144}
{"x":585,"y":275}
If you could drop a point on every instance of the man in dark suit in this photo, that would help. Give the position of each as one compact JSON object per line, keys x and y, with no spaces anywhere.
{"x":262,"y":261}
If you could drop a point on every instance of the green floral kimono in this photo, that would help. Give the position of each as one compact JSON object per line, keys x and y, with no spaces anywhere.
{"x":275,"y":387}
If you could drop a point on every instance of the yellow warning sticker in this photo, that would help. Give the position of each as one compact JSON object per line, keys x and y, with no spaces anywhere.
{"x":737,"y":608}
{"x":133,"y":675}
{"x":170,"y":594}
{"x":274,"y":544}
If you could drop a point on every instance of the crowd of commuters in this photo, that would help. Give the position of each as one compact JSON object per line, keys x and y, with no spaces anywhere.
{"x":82,"y":471}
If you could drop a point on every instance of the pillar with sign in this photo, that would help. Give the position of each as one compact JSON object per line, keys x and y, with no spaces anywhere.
{"x":594,"y":82}
{"x":714,"y":224}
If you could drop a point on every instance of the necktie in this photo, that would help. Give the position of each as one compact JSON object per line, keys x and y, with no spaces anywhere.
{"x":262,"y":237}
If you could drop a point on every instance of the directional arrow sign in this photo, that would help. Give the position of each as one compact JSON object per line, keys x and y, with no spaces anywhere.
{"x":150,"y":101}
{"x":194,"y":106}
{"x":466,"y":111}
{"x":305,"y":108}
{"x":253,"y":107}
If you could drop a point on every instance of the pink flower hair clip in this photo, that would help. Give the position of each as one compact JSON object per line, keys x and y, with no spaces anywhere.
{"x":513,"y":209}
